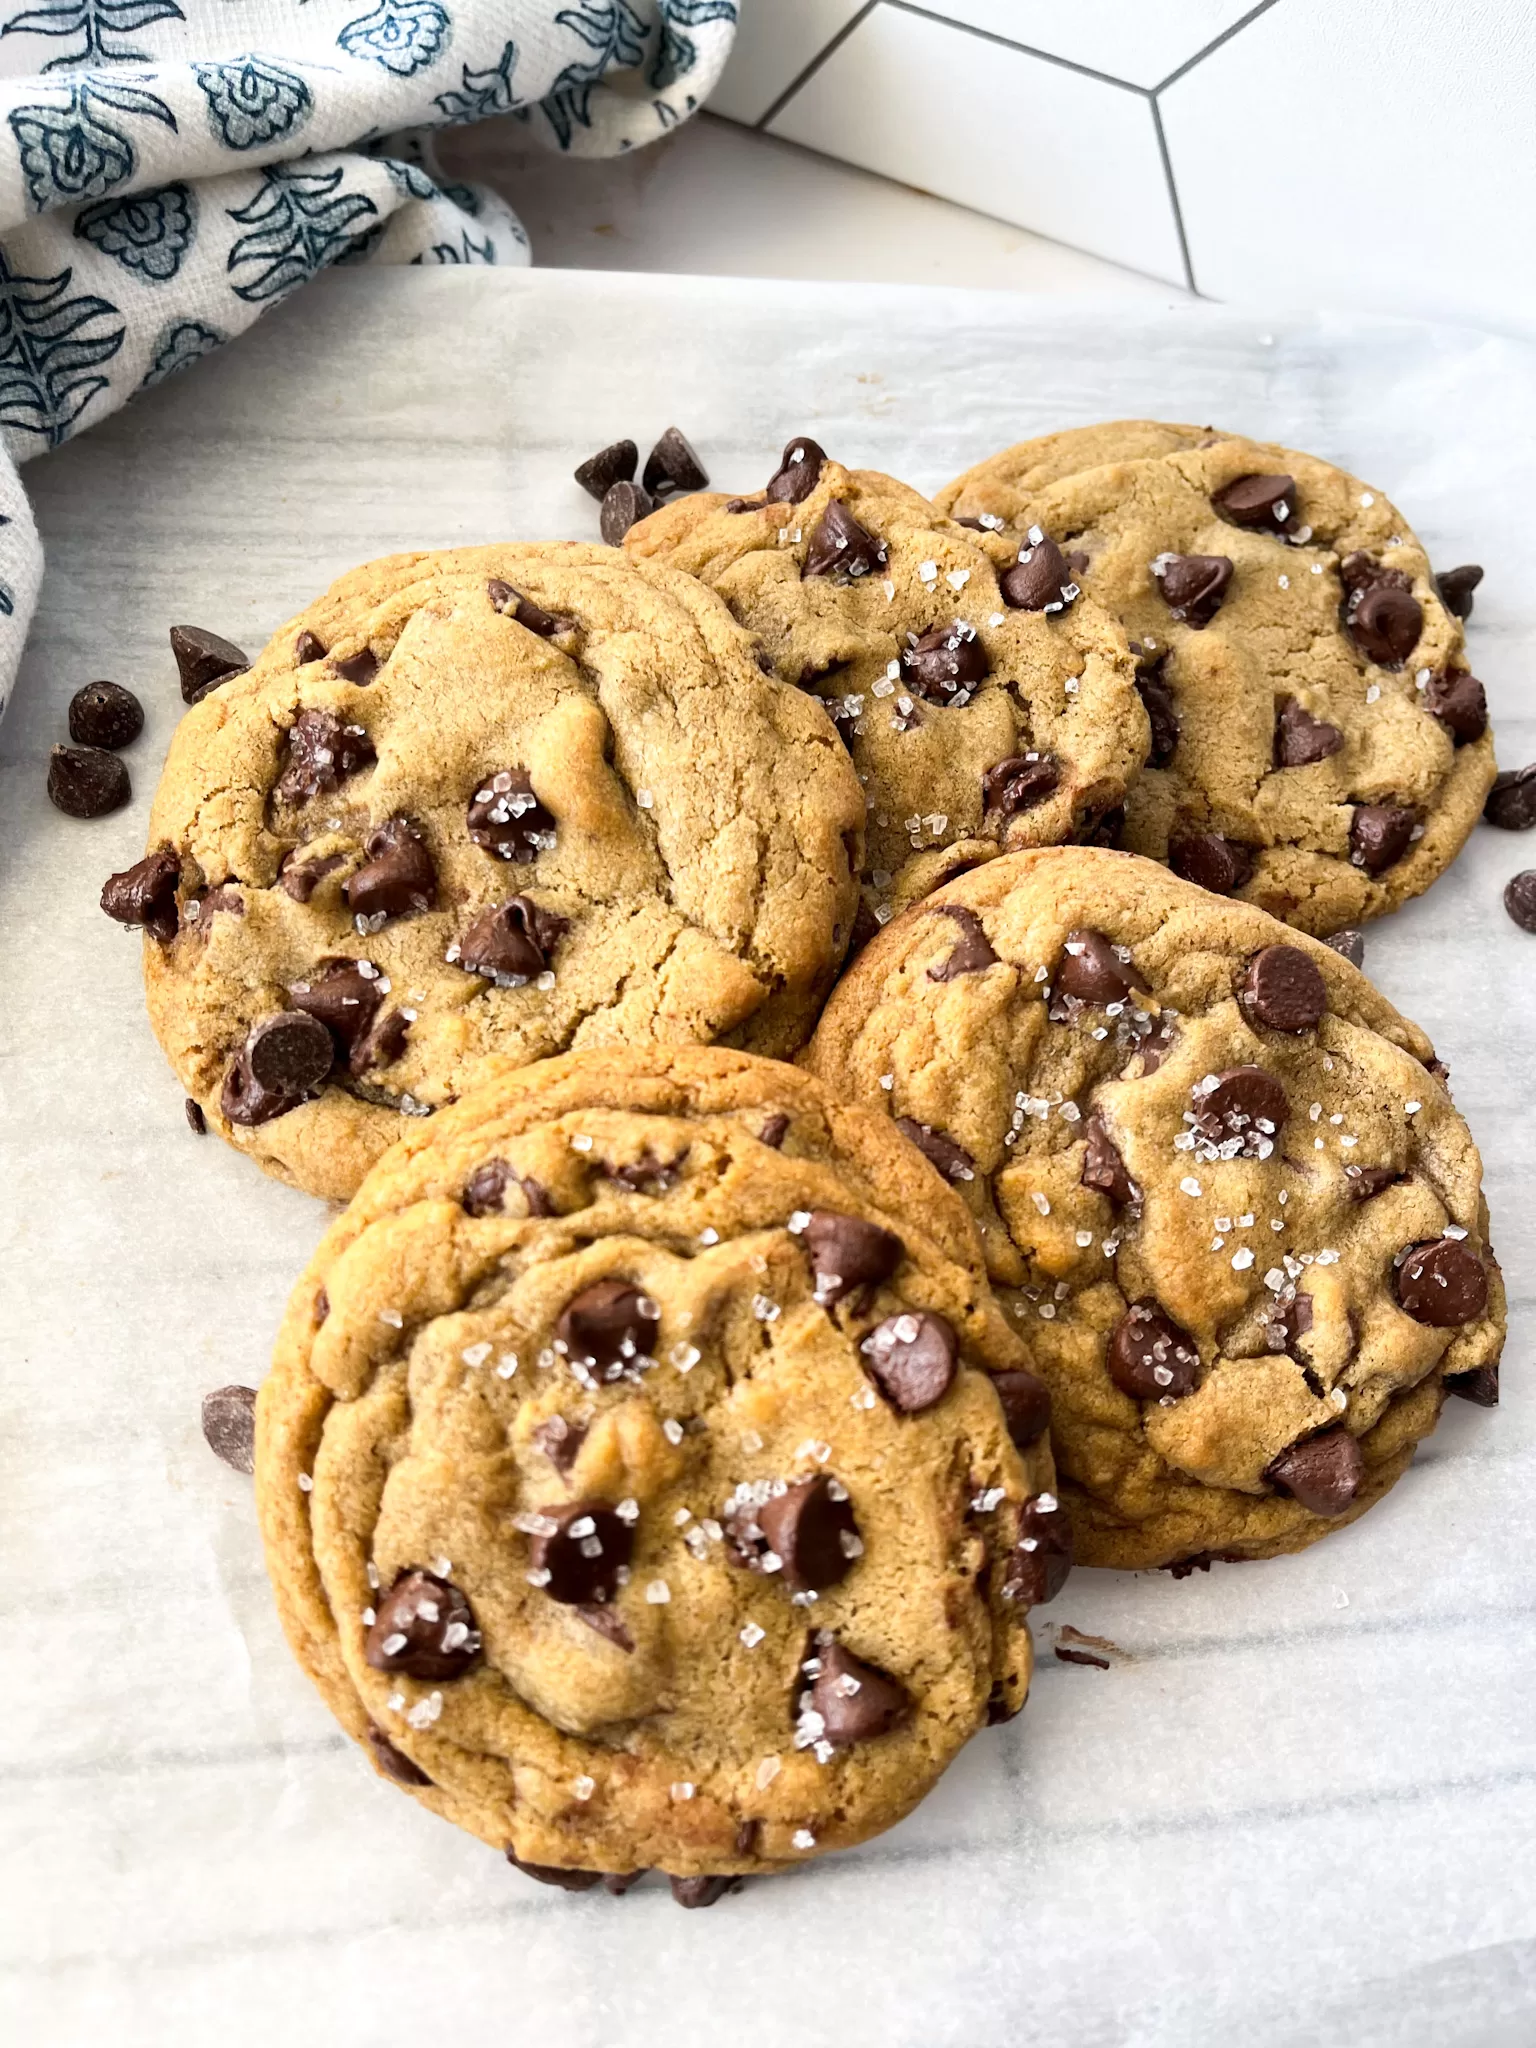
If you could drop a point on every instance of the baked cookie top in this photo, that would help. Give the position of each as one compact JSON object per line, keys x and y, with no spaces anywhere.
{"x":980,"y":714}
{"x":1319,"y":745}
{"x":1221,"y":1184}
{"x":504,"y":799}
{"x":1003,"y":486}
{"x":635,"y":1472}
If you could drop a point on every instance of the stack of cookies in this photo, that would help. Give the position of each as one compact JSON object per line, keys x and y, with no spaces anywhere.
{"x":667,"y":1445}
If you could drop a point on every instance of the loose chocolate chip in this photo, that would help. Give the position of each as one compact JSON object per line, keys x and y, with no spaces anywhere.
{"x":775,"y":1129}
{"x":1020,"y":783}
{"x":1283,"y":990}
{"x":1149,"y":1356}
{"x":423,"y":1627}
{"x":938,"y":1148}
{"x":1365,"y":1182}
{"x":105,"y":715}
{"x":672,"y":465}
{"x":307,"y":648}
{"x":1456,"y":587}
{"x":560,"y":1441}
{"x":702,"y":1891}
{"x":506,"y":818}
{"x":1442,"y":1283}
{"x":811,"y":1528}
{"x":588,"y":1548}
{"x":1103,"y":1167}
{"x":912,"y":1359}
{"x":1212,"y":861}
{"x":87,"y":782}
{"x":799,"y":468}
{"x":359,"y":668}
{"x":229,"y":1426}
{"x":556,"y":1874}
{"x":1194,"y":587}
{"x":1323,"y":1472}
{"x":1026,"y":1404}
{"x":342,"y":997}
{"x":197,"y":1123}
{"x":1511,"y":802}
{"x":1380,"y":834}
{"x":839,"y":546}
{"x":855,"y":1700}
{"x":1240,"y":1101}
{"x":204,"y":660}
{"x":1480,"y":1386}
{"x":847,"y":1253}
{"x":1040,"y":579}
{"x":529,"y":615}
{"x":972,"y":950}
{"x":607,"y":1325}
{"x":392,"y":1762}
{"x":605,"y":1622}
{"x":1040,"y":1561}
{"x":1350,"y":943}
{"x":1157,"y":697}
{"x":322,"y":750}
{"x":145,"y":894}
{"x":944,"y":661}
{"x":512,"y":943}
{"x":1301,"y":739}
{"x":1458,"y":700}
{"x":1520,"y":899}
{"x":624,"y":505}
{"x":1090,"y":970}
{"x":1267,"y":502}
{"x":1385,"y":623}
{"x":612,"y":465}
{"x":300,"y":878}
{"x":289,"y":1054}
{"x":397,"y":877}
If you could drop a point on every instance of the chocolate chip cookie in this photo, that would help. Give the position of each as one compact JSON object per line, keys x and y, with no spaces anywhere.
{"x":981,"y":712}
{"x":504,"y":800}
{"x":1319,"y":745}
{"x":1222,"y":1188}
{"x":648,"y":1476}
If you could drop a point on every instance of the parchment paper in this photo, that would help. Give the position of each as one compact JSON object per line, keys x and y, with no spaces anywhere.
{"x":1299,"y":1809}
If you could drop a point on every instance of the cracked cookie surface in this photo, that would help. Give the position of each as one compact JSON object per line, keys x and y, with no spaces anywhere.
{"x":623,"y":1388}
{"x":1221,"y":1185}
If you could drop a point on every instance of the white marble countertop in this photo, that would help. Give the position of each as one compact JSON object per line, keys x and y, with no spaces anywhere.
{"x":1299,"y":1806}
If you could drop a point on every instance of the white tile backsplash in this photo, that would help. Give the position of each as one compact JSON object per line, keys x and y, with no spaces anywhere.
{"x":775,"y":40}
{"x":1140,"y":41}
{"x":1014,"y":135}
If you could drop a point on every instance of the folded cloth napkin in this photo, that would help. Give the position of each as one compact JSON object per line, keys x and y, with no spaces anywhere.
{"x":168,"y":171}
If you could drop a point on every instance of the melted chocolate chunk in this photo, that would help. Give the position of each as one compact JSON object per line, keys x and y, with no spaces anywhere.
{"x":1026,"y":1404}
{"x":1212,"y":861}
{"x":809,"y":1527}
{"x":847,"y":1254}
{"x":513,"y":943}
{"x":1194,"y":587}
{"x":944,"y":662}
{"x":1301,"y":739}
{"x":529,"y":615}
{"x":1267,"y":503}
{"x":607,"y":1325}
{"x":799,"y":470}
{"x":392,"y":1762}
{"x":972,"y":950}
{"x":506,"y":819}
{"x":939,"y":1149}
{"x":1282,"y":990}
{"x":1379,"y":835}
{"x":145,"y":894}
{"x":1149,"y":1356}
{"x":584,"y":1555}
{"x":1103,"y":1167}
{"x":912,"y":1359}
{"x":1041,"y":1559}
{"x":1442,"y":1283}
{"x":1458,"y":700}
{"x":856,"y":1701}
{"x":1323,"y":1473}
{"x":1091,"y":971}
{"x":397,"y":877}
{"x":1039,"y":581}
{"x":1020,"y":783}
{"x":1157,"y":697}
{"x":839,"y":546}
{"x":322,"y":752}
{"x":423,"y":1627}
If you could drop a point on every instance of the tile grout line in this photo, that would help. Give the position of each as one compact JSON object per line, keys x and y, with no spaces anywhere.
{"x":986,"y":35}
{"x":1225,"y":37}
{"x":1173,"y":192}
{"x":805,"y":76}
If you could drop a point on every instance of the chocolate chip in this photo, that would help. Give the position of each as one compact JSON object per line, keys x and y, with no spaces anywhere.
{"x":624,"y":505}
{"x":1289,"y":1319}
{"x":384,"y":1044}
{"x":912,"y":1359}
{"x":702,"y":1891}
{"x":1350,"y":943}
{"x":1323,"y":1472}
{"x":866,"y":926}
{"x":105,"y":715}
{"x":1283,"y":990}
{"x":796,"y":477}
{"x":229,"y":1426}
{"x":1149,"y":1356}
{"x":322,"y":750}
{"x":1456,"y":587}
{"x":560,"y":1441}
{"x":1365,"y":1182}
{"x":1212,"y":861}
{"x":855,"y":1700}
{"x":1520,"y":899}
{"x":1155,"y":1046}
{"x":342,"y":997}
{"x":938,"y":1148}
{"x":87,"y":782}
{"x":612,"y":465}
{"x":646,"y":1175}
{"x":1266,"y":502}
{"x":811,"y":1528}
{"x":1385,"y":622}
{"x":607,"y":1325}
{"x":1460,"y":703}
{"x":307,"y":648}
{"x":1380,"y":834}
{"x":603,"y":1621}
{"x":197,"y":1123}
{"x":423,"y":1627}
{"x":529,"y":615}
{"x":204,"y":660}
{"x":746,"y":1838}
{"x":397,"y":877}
{"x":300,"y":878}
{"x":1442,"y":1283}
{"x":512,"y":943}
{"x":289,"y":1054}
{"x":972,"y":950}
{"x":1026,"y":1404}
{"x":359,"y":668}
{"x":672,"y":465}
{"x":1194,"y":587}
{"x":1090,"y":970}
{"x":1240,"y":1101}
{"x":392,"y":1762}
{"x":944,"y":661}
{"x":1103,"y":1167}
{"x":1157,"y":697}
{"x":1480,"y":1386}
{"x":556,"y":1874}
{"x":506,"y":819}
{"x":1511,"y":802}
{"x":225,"y":901}
{"x":485,"y":1191}
{"x":1040,"y":579}
{"x":145,"y":894}
{"x":839,"y":546}
{"x":1301,"y":739}
{"x":584,"y":1554}
{"x":1041,"y":1559}
{"x":1020,"y":783}
{"x":1361,"y":571}
{"x":846,"y":1253}
{"x":774,"y":1131}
